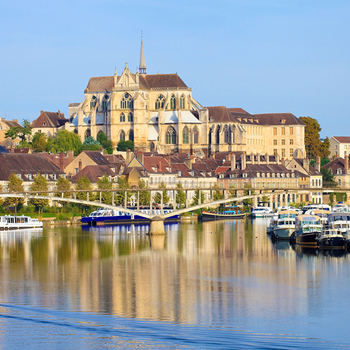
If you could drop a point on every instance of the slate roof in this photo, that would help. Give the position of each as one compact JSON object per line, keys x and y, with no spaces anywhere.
{"x":94,"y":173}
{"x":4,"y":150}
{"x":277,"y":118}
{"x":26,"y":164}
{"x":10,"y":123}
{"x":342,"y":139}
{"x":335,"y":164}
{"x":49,"y":120}
{"x":97,"y":157}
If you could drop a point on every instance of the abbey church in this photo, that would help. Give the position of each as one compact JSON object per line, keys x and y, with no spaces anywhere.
{"x":159,"y":113}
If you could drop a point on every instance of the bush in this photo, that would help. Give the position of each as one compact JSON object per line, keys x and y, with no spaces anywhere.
{"x":63,"y":216}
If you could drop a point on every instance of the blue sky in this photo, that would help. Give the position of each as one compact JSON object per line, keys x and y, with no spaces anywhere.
{"x":263,"y":56}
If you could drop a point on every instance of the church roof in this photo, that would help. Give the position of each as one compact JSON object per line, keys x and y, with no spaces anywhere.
{"x":278,"y":119}
{"x":49,"y":119}
{"x":220,"y":114}
{"x":101,"y":84}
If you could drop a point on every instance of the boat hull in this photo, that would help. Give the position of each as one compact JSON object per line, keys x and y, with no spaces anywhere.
{"x":218,"y":216}
{"x":307,"y":240}
{"x":335,"y":242}
{"x":283,"y":232}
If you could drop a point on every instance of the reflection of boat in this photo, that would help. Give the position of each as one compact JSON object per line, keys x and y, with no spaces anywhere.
{"x":232,"y":213}
{"x":285,"y":224}
{"x":15,"y":222}
{"x":104,"y":216}
{"x":262,"y":212}
{"x":307,"y":230}
{"x":331,"y":239}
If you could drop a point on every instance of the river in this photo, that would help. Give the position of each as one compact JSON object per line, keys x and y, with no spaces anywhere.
{"x":213,"y":285}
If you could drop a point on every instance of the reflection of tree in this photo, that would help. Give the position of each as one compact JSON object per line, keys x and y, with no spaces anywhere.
{"x":85,"y":247}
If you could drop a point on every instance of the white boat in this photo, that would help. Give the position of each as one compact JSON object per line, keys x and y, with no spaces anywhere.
{"x":262,"y":212}
{"x":285,"y":224}
{"x":340,"y":207}
{"x":308,"y":228}
{"x":316,"y":207}
{"x":340,"y":221}
{"x":9,"y":222}
{"x":321,"y":213}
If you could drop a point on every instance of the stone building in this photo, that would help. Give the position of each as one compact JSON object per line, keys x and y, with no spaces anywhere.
{"x":5,"y":126}
{"x":339,"y":146}
{"x":159,"y":113}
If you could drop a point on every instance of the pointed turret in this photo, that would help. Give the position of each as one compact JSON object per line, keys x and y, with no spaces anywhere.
{"x":142,"y":60}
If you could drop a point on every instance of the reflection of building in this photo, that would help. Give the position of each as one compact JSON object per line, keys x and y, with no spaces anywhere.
{"x":159,"y":113}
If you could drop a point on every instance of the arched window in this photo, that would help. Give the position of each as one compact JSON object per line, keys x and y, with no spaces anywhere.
{"x":130,"y":117}
{"x":75,"y":131}
{"x":104,"y":103}
{"x":122,"y":136}
{"x":182,"y":102}
{"x":195,"y":135}
{"x":93,"y":102}
{"x":160,"y":102}
{"x":218,"y":135}
{"x":131,"y":135}
{"x":170,"y":137}
{"x":127,"y":101}
{"x":172,"y":102}
{"x":122,"y":118}
{"x":152,"y":147}
{"x":227,"y":135}
{"x":87,"y":133}
{"x":185,"y":134}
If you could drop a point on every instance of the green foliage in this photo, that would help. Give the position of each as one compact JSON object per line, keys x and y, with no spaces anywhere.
{"x":265,"y":198}
{"x":23,"y":132}
{"x":14,"y":185}
{"x":105,"y":184}
{"x":40,"y":184}
{"x":84,"y":184}
{"x":157,"y":197}
{"x":339,"y":197}
{"x":196,"y":197}
{"x":249,"y":201}
{"x":144,"y":195}
{"x":313,"y":145}
{"x":39,"y":142}
{"x":120,"y":195}
{"x":106,"y":144}
{"x":90,"y":144}
{"x":63,"y":185}
{"x":217,"y":195}
{"x":180,"y":196}
{"x":327,"y":176}
{"x":324,"y":161}
{"x":297,"y":205}
{"x":64,"y":141}
{"x":125,"y":145}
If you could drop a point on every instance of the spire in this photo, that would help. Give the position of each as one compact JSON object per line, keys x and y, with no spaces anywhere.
{"x":142,"y":59}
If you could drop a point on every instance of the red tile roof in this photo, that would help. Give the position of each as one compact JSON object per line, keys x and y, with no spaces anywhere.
{"x":94,"y":173}
{"x":49,"y":120}
{"x":342,"y":139}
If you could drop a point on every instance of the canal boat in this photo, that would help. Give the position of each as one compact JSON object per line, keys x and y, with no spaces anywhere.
{"x":316,"y":207}
{"x":232,"y":213}
{"x":285,"y":224}
{"x":331,"y":239}
{"x":321,"y":213}
{"x":307,"y":230}
{"x":15,"y":222}
{"x":103,"y":216}
{"x":262,"y":212}
{"x":340,"y":221}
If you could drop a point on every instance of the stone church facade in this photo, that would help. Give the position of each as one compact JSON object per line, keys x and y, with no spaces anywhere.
{"x":159,"y":113}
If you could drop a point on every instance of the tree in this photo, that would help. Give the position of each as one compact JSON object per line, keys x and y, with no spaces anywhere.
{"x":1,"y":200}
{"x":180,"y":196}
{"x":217,"y":195}
{"x":157,"y":197}
{"x":90,"y":144}
{"x":63,"y":185}
{"x":22,"y":131}
{"x":40,"y":184}
{"x":125,"y":145}
{"x":313,"y":145}
{"x":64,"y":141}
{"x":196,"y":197}
{"x":265,"y":199}
{"x":122,"y":184}
{"x":105,"y":184}
{"x":106,"y":144}
{"x":327,"y":176}
{"x":144,"y":195}
{"x":39,"y":142}
{"x":15,"y":185}
{"x":84,"y":184}
{"x":248,"y":201}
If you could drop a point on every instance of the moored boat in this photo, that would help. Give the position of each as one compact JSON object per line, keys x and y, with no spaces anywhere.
{"x":307,"y":230}
{"x":285,"y":224}
{"x":15,"y":222}
{"x":262,"y":212}
{"x":232,"y":213}
{"x":331,"y":239}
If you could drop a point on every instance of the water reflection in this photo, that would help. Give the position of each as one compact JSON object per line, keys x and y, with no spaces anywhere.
{"x":213,"y":272}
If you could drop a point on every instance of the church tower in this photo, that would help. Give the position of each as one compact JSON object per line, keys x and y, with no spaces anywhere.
{"x":142,"y":60}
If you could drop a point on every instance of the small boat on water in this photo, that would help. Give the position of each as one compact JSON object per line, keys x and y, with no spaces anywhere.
{"x":231,"y":213}
{"x":307,"y":230}
{"x":285,"y":224}
{"x":9,"y":222}
{"x":331,"y":239}
{"x":340,"y":221}
{"x":262,"y":212}
{"x":321,"y":213}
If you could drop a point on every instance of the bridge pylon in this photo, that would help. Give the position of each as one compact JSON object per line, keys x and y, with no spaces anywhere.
{"x":157,"y":226}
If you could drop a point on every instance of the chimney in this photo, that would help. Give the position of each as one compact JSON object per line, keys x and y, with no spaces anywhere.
{"x":80,"y":165}
{"x":140,"y":156}
{"x":243,"y":161}
{"x":277,"y":157}
{"x":213,"y":156}
{"x":160,"y":166}
{"x":128,"y":157}
{"x":258,"y":158}
{"x":15,"y":120}
{"x":346,"y":164}
{"x":306,"y":164}
{"x":318,"y":164}
{"x":61,"y":161}
{"x":252,"y":158}
{"x":70,"y":156}
{"x":233,"y":161}
{"x":282,"y":161}
{"x":227,"y":158}
{"x":267,"y":159}
{"x":188,"y":162}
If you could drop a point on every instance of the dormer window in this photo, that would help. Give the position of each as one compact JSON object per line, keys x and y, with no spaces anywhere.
{"x":44,"y":124}
{"x":283,"y":121}
{"x":257,"y":174}
{"x":262,"y":174}
{"x":339,"y":171}
{"x":179,"y":173}
{"x":268,"y":175}
{"x":154,"y":169}
{"x":273,"y":174}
